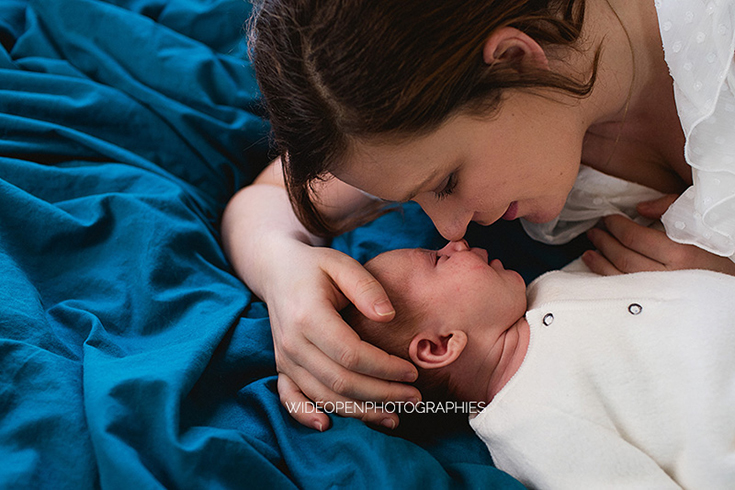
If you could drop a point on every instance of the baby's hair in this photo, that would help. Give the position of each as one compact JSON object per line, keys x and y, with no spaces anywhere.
{"x":395,"y":336}
{"x":337,"y":72}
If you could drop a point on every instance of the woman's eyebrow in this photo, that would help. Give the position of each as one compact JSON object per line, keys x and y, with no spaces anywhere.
{"x":419,"y":188}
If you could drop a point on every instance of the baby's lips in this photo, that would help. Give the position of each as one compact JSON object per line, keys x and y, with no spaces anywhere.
{"x":497,"y":264}
{"x":481,"y":252}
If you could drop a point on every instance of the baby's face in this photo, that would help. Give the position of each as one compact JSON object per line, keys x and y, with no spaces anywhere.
{"x":454,"y":285}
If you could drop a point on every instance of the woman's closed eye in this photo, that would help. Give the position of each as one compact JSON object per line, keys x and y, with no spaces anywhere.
{"x":446,"y":187}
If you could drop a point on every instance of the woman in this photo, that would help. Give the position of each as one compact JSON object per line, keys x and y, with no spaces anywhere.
{"x":478,"y":111}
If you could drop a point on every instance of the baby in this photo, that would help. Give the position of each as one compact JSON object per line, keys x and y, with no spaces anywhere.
{"x":589,"y":381}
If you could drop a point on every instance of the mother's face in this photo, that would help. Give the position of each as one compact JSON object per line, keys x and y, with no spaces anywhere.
{"x":521,"y":163}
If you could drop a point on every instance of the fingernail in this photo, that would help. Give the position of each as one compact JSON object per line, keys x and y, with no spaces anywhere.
{"x":413,"y":400}
{"x":410,"y":376}
{"x":384,"y":308}
{"x":318,"y":426}
{"x":388,"y":423}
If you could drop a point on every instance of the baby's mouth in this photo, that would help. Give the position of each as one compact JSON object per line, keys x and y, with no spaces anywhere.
{"x":481,"y":252}
{"x":497,"y":265}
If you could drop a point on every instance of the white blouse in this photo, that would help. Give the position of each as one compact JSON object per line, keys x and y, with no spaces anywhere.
{"x":699,"y":44}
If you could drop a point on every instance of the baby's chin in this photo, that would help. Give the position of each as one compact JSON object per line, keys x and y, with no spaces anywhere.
{"x":497,"y":265}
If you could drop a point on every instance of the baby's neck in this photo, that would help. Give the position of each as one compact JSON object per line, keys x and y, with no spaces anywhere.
{"x":514,"y":348}
{"x":489,"y":363}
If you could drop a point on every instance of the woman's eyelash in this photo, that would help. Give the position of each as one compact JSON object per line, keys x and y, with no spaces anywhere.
{"x":448,"y":187}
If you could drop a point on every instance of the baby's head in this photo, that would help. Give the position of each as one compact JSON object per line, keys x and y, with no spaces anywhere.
{"x":450,"y":305}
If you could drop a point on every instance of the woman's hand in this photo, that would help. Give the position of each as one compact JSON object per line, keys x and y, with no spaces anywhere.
{"x":319,"y":357}
{"x":629,"y":247}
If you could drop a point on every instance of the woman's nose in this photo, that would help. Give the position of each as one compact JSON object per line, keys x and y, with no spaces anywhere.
{"x":451,"y":231}
{"x":454,"y":247}
{"x":450,"y":221}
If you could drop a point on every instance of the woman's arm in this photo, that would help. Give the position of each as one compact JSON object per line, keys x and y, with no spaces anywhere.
{"x":629,"y":247}
{"x":318,"y":356}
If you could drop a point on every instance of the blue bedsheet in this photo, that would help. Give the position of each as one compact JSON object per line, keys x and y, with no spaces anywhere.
{"x":130,"y":355}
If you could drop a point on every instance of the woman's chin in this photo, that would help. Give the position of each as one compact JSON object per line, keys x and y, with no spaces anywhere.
{"x":544,"y":215}
{"x":539,"y":217}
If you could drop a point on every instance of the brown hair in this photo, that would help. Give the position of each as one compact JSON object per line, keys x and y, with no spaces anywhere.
{"x":334,"y":71}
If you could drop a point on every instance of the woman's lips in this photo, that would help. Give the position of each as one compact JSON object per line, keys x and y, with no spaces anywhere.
{"x":511,"y":212}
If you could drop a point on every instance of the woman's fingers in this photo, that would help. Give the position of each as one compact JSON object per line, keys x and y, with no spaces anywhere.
{"x":630,"y":247}
{"x":348,"y":382}
{"x":346,"y":366}
{"x":341,"y":344}
{"x":360,"y":288}
{"x":300,"y":407}
{"x":598,"y":264}
{"x":646,"y":241}
{"x":329,"y":373}
{"x":656,"y":208}
{"x":308,"y":401}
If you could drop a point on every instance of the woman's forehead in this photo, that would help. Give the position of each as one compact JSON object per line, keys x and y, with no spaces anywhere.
{"x":393,"y":170}
{"x":393,"y":176}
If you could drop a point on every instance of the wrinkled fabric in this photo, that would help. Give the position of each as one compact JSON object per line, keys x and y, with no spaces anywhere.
{"x":130,"y":354}
{"x":699,"y":45}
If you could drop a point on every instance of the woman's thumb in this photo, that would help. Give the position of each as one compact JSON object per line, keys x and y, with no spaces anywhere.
{"x":657,"y":207}
{"x":363,"y":290}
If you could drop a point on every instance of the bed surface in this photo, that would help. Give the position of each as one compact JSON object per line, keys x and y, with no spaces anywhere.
{"x":130,"y":355}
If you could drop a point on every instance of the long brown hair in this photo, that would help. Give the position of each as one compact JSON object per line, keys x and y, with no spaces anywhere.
{"x":333,"y":71}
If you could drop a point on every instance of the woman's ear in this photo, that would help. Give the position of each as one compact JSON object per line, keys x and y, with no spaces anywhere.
{"x":517,"y":49}
{"x":431,"y":351}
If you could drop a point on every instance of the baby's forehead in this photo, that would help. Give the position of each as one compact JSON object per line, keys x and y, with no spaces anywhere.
{"x":395,"y":269}
{"x":392,"y":260}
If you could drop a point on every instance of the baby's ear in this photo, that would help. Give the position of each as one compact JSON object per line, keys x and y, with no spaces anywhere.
{"x":515,"y":48}
{"x":428,"y":350}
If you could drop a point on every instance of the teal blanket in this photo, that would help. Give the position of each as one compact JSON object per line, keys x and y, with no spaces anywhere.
{"x":130,"y":355}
